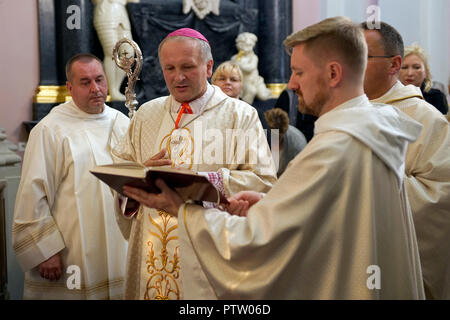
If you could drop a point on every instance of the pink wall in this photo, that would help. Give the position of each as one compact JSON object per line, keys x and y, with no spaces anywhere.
{"x":305,"y":13}
{"x":19,"y":65}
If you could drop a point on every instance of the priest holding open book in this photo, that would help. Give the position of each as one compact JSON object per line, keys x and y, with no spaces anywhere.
{"x":199,"y":128}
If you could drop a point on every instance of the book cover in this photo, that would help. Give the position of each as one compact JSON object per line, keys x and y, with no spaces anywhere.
{"x":189,"y":184}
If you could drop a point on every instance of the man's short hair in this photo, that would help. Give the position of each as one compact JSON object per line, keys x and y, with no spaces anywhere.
{"x":83,"y":57}
{"x":336,"y":37}
{"x":205,"y":49}
{"x":392,"y":41}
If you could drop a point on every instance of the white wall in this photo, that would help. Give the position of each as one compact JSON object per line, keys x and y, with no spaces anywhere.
{"x":422,"y":21}
{"x":425,"y":22}
{"x":304,"y":13}
{"x":354,"y":9}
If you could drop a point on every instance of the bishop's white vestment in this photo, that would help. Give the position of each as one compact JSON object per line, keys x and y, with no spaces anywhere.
{"x":336,"y":225}
{"x":427,"y":182}
{"x":225,"y":138}
{"x":61,"y":207}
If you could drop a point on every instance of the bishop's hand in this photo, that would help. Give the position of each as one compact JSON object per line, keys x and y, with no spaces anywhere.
{"x":158,"y":160}
{"x":168,"y":200}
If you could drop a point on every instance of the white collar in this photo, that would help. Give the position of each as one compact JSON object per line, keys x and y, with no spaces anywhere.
{"x":361,"y":100}
{"x":196,"y":105}
{"x":73,"y":110}
{"x":388,"y":93}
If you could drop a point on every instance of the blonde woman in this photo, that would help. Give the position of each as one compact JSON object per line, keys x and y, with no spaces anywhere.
{"x":416,"y":70}
{"x":228,"y":77}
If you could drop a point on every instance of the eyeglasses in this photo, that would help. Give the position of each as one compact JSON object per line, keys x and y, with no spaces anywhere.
{"x":380,"y":56}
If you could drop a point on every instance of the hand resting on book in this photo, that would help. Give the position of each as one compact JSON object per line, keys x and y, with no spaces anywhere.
{"x":158,"y":160}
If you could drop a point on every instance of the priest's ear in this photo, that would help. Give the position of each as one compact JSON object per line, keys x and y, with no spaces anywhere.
{"x":334,"y":73}
{"x":209,"y":68}
{"x":396,"y":64}
{"x":69,"y":87}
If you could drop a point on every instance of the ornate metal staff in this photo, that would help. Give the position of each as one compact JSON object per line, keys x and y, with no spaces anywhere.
{"x":126,"y":63}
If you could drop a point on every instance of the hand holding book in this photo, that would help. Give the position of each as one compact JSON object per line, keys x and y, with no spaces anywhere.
{"x":190,"y":185}
{"x":168,"y":200}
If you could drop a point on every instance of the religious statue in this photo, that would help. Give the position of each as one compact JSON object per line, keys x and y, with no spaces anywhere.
{"x":201,"y":8}
{"x":253,"y":83}
{"x":112,"y":24}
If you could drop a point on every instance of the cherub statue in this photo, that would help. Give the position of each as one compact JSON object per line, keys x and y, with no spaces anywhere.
{"x":112,"y":24}
{"x":201,"y":8}
{"x":253,"y":83}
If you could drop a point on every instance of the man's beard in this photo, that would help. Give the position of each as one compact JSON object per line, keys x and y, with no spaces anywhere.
{"x":316,"y":105}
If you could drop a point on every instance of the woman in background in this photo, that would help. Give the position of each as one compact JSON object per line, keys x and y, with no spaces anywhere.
{"x":416,"y":70}
{"x":228,"y":76}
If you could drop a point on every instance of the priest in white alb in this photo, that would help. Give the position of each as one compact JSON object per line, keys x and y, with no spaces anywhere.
{"x":337,"y":224}
{"x":427,"y":165}
{"x":196,"y":127}
{"x":64,"y":233}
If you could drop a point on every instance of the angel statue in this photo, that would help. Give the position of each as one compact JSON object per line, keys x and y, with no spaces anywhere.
{"x":201,"y":8}
{"x":253,"y":83}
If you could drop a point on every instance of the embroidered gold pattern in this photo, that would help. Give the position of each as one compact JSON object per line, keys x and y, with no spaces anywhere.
{"x":163,"y":269}
{"x":33,"y":236}
{"x":180,"y":146}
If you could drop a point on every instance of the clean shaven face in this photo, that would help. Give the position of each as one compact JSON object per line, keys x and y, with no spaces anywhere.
{"x":185,"y":72}
{"x":412,"y":71}
{"x":376,"y":78}
{"x":230,"y":84}
{"x":88,"y":86}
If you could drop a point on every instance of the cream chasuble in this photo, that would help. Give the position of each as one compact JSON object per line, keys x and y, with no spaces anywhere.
{"x":206,"y":142}
{"x":336,"y":225}
{"x":62,"y":207}
{"x":427,"y":182}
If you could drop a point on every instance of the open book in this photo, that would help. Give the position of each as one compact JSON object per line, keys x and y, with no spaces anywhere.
{"x":189,"y":184}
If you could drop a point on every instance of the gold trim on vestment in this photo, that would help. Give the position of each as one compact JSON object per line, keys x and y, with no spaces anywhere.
{"x":403,"y":98}
{"x":181,"y":154}
{"x":33,"y":237}
{"x":163,"y":271}
{"x":62,"y":285}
